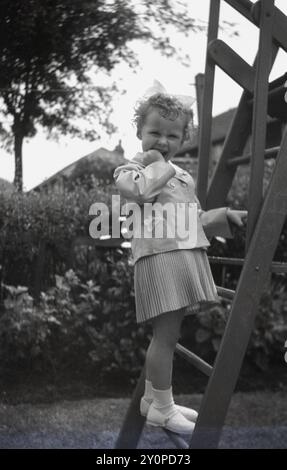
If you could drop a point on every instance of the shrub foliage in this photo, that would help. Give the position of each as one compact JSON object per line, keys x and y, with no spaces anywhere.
{"x":85,"y":317}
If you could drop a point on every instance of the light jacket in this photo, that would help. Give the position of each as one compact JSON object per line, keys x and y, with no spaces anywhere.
{"x":165,"y":182}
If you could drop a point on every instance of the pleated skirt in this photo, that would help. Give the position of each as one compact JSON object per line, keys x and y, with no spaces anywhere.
{"x":172,"y":280}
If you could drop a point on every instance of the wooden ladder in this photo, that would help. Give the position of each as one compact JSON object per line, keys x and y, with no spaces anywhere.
{"x":266,"y":215}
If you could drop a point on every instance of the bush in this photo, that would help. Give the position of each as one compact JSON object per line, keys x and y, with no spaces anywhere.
{"x":75,"y":325}
{"x":89,"y":322}
{"x":90,"y":327}
{"x":204,"y":331}
{"x":270,"y":332}
{"x":43,"y":225}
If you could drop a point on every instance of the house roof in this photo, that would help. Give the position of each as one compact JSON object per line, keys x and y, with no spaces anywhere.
{"x":112,"y":157}
{"x":220,"y":125}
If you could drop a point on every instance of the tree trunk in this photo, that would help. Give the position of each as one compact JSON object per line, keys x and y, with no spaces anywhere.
{"x":18,"y":142}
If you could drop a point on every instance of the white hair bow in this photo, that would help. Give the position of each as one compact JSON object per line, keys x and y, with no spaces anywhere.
{"x":157,"y":87}
{"x":185,"y":100}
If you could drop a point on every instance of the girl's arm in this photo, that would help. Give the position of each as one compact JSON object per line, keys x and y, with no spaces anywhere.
{"x":237,"y":217}
{"x":215,"y":223}
{"x":141,"y":183}
{"x":219,"y":222}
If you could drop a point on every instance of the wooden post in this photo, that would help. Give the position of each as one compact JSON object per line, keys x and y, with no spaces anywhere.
{"x":241,"y":320}
{"x":260,"y":103}
{"x":206,"y":115}
{"x":133,"y":424}
{"x":233,"y":146}
{"x":199,"y":86}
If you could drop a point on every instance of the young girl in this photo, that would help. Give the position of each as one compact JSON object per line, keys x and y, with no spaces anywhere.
{"x":172,"y":277}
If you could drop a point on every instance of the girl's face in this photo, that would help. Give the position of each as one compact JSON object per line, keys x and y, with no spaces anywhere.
{"x":162,"y":134}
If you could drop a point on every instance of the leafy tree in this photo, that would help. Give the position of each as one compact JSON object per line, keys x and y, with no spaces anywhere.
{"x":48,"y":49}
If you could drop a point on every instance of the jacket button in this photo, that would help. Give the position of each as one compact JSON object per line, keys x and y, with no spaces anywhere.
{"x":184,"y":184}
{"x":172,"y":185}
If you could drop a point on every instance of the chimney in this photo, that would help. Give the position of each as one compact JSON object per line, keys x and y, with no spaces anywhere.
{"x":119,"y":149}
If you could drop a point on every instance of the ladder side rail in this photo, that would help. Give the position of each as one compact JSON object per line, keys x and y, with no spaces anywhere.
{"x":259,"y":121}
{"x":133,"y":424}
{"x":279,"y":25}
{"x":250,"y":11}
{"x":240,"y":324}
{"x":234,"y":145}
{"x":178,"y":441}
{"x":205,"y":126}
{"x":199,"y":85}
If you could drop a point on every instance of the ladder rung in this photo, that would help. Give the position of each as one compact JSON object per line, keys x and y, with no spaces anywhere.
{"x":277,"y":107}
{"x":224,"y":299}
{"x":245,"y":7}
{"x":276,"y":266}
{"x":196,"y":361}
{"x":232,"y":64}
{"x":176,"y":439}
{"x":224,"y":260}
{"x":280,"y":23}
{"x":269,"y":153}
{"x":225,"y":293}
{"x":243,"y":74}
{"x":274,"y":92}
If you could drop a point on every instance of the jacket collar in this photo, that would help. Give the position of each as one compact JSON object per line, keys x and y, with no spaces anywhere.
{"x":180,"y":173}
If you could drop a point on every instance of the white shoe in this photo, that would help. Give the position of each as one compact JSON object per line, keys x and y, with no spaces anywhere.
{"x":173,"y":420}
{"x":188,"y":413}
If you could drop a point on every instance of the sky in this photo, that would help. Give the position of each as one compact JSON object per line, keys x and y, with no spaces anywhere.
{"x":42,"y":157}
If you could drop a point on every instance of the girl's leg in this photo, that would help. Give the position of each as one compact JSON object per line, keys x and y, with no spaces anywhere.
{"x":162,"y":411}
{"x":157,"y":404}
{"x":159,"y":358}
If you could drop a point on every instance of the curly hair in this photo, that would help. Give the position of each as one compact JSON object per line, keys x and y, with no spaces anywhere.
{"x":168,"y":106}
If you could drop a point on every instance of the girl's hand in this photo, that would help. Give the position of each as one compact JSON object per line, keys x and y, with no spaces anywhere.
{"x":151,"y":156}
{"x":237,"y":217}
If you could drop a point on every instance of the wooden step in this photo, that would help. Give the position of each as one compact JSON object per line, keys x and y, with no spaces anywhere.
{"x":193,"y":359}
{"x":244,"y":75}
{"x":225,"y":260}
{"x":251,"y":12}
{"x":232,"y":64}
{"x":280,"y":23}
{"x":242,"y":6}
{"x":276,"y":267}
{"x":225,"y":293}
{"x":244,"y":159}
{"x":277,"y":106}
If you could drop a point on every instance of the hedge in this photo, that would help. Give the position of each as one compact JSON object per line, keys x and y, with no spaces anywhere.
{"x":85,"y":317}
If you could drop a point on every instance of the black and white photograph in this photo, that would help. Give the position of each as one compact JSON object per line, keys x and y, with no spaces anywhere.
{"x":143,"y":232}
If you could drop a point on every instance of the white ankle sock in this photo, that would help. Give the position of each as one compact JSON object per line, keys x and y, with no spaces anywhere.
{"x":148,"y":394}
{"x":163,"y":399}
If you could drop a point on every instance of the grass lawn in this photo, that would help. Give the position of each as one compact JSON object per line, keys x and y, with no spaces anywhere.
{"x":76,"y":413}
{"x":255,"y":420}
